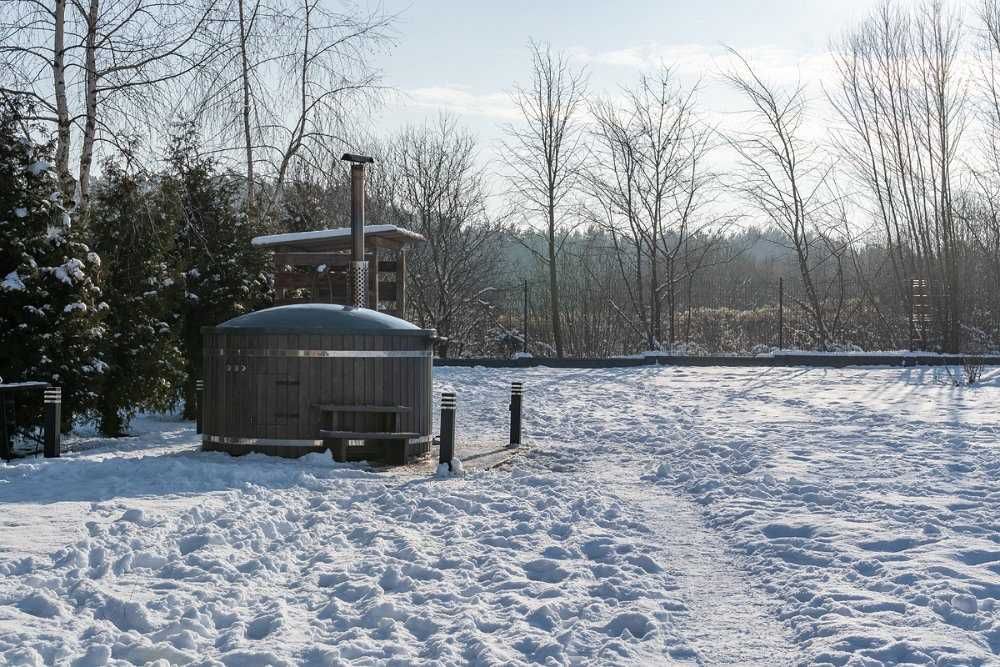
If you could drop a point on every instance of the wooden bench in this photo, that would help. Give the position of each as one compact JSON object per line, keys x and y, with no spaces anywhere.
{"x":333,"y":407}
{"x":382,"y":428}
{"x":367,"y":435}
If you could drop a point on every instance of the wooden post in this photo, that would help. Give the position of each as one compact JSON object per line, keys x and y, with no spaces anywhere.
{"x":447,"y":451}
{"x":373,"y":275}
{"x":7,"y":419}
{"x":401,"y":283}
{"x":525,"y":332}
{"x":781,"y":313}
{"x":516,"y":395}
{"x":279,"y":292}
{"x":340,"y":451}
{"x":199,"y":407}
{"x":53,"y":415}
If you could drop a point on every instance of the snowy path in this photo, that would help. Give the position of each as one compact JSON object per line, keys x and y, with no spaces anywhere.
{"x":726,"y":622}
{"x":863,"y":502}
{"x":721,"y":618}
{"x":663,"y":516}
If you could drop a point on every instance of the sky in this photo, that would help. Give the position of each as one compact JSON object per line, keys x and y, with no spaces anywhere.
{"x":464,"y":57}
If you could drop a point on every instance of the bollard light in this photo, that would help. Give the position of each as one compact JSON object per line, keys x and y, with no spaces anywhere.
{"x":447,"y":449}
{"x":53,"y":416}
{"x":516,"y":399}
{"x":199,"y":405}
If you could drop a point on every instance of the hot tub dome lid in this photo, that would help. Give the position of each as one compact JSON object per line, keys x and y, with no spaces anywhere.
{"x":323,"y":318}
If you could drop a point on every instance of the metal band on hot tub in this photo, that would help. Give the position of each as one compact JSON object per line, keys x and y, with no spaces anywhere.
{"x":274,"y":442}
{"x":326,"y":354}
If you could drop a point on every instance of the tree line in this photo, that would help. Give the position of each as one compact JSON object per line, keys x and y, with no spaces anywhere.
{"x":145,"y":143}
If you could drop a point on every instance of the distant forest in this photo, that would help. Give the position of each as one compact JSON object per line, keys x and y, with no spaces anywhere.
{"x":145,"y":143}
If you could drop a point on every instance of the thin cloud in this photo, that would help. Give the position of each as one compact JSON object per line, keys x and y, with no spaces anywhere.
{"x":461,"y":100}
{"x":775,"y":64}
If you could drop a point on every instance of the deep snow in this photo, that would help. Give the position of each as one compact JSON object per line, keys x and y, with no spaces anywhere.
{"x":660,"y":515}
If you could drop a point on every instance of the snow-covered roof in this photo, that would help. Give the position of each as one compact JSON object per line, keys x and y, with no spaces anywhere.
{"x":391,"y":232}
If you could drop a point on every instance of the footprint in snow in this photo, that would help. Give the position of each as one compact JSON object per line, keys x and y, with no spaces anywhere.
{"x":635,"y":624}
{"x":545,"y":570}
{"x":978,"y":557}
{"x":777,"y":531}
{"x":894,"y":545}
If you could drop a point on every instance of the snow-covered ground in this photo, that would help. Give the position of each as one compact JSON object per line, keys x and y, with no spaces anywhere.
{"x":661,"y":516}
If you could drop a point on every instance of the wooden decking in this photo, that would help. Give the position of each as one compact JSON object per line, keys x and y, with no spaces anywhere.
{"x":476,"y":454}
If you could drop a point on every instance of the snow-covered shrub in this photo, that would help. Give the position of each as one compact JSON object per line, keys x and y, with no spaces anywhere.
{"x":977,"y":339}
{"x":973,"y":370}
{"x":692,"y":349}
{"x":727,"y":330}
{"x":972,"y":366}
{"x":50,"y":304}
{"x":842,"y":347}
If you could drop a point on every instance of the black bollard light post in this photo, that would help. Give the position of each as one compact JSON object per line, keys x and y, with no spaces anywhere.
{"x":516,"y":396}
{"x":53,"y":416}
{"x":447,"y":451}
{"x":199,"y":405}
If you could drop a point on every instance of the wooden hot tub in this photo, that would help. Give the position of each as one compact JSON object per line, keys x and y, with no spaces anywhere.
{"x":303,"y":378}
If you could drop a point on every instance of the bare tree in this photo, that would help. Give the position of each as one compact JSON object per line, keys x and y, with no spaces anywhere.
{"x":286,"y":78}
{"x":782,"y":175}
{"x":544,"y":156}
{"x":901,"y":97}
{"x":649,"y":172}
{"x":281,"y":72}
{"x":981,"y":216}
{"x":441,"y":191}
{"x":99,"y":69}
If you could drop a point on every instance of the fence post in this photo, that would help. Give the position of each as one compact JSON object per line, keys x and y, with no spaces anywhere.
{"x":447,"y":449}
{"x":516,"y":395}
{"x":199,"y":407}
{"x":781,"y":313}
{"x":53,"y":416}
{"x":525,"y":349}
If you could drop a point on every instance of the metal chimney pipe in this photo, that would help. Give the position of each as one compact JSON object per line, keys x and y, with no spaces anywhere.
{"x":359,"y":267}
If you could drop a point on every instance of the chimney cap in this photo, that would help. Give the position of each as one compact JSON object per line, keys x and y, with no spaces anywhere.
{"x":357,"y":159}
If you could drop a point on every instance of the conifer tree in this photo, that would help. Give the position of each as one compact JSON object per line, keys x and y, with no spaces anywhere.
{"x":50,"y":305}
{"x":142,"y":288}
{"x":224,"y":275}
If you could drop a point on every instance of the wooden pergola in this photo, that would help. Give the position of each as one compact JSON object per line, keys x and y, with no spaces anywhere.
{"x":313,"y":267}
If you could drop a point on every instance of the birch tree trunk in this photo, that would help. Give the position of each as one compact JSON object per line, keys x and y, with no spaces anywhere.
{"x":62,"y":106}
{"x":90,"y":125}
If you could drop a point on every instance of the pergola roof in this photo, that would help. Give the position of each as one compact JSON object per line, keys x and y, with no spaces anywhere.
{"x":337,"y":239}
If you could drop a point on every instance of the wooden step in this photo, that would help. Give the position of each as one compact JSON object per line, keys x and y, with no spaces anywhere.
{"x":333,"y":407}
{"x":362,"y":435}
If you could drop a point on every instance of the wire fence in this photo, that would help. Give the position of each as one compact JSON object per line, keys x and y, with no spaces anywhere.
{"x":723,"y":317}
